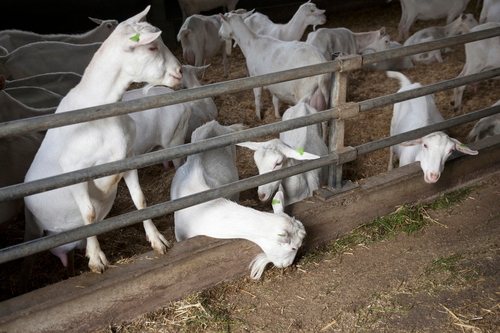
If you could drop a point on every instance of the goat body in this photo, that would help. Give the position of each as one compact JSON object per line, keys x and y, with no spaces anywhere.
{"x":413,"y":10}
{"x":302,"y":143}
{"x":486,"y":127}
{"x":191,"y":7}
{"x":331,"y":40}
{"x":60,"y":82}
{"x":134,"y":52}
{"x":431,"y":150}
{"x":480,"y":56}
{"x":307,"y":14}
{"x":13,"y":39}
{"x":265,"y":54}
{"x":278,"y":234}
{"x":490,"y":11}
{"x":460,"y":26}
{"x":47,"y":57}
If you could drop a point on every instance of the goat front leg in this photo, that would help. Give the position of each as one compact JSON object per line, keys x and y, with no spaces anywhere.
{"x":97,"y":258}
{"x":157,"y":240}
{"x":258,"y":94}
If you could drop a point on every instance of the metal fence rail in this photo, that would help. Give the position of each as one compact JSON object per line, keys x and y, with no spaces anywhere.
{"x":339,"y":112}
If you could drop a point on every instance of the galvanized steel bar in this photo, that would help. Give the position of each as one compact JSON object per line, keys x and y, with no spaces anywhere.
{"x":216,"y":89}
{"x":46,"y":243}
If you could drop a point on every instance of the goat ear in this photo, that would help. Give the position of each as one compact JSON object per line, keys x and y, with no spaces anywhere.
{"x":463,"y":148}
{"x":251,"y":145}
{"x":412,"y":142}
{"x":141,"y":17}
{"x":298,"y":154}
{"x":145,"y":38}
{"x":278,"y":203}
{"x":96,"y":21}
{"x":247,"y":14}
{"x":283,"y":238}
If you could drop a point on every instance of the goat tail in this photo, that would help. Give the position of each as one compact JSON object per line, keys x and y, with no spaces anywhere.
{"x":403,"y":80}
{"x":258,"y":265}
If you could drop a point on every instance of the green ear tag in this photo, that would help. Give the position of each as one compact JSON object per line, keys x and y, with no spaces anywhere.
{"x":282,"y":235}
{"x":463,"y":145}
{"x":312,"y":10}
{"x":135,"y":38}
{"x":275,"y":202}
{"x":300,"y":151}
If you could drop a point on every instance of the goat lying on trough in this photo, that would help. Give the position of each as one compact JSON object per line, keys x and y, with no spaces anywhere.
{"x":486,"y":127}
{"x":304,"y":143}
{"x":265,"y":54}
{"x":431,"y":150}
{"x":307,"y":14}
{"x":134,"y":52}
{"x":12,"y":39}
{"x":278,"y":234}
{"x":480,"y":56}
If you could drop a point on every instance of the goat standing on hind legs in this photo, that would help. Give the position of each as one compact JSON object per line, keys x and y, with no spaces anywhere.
{"x":134,"y":52}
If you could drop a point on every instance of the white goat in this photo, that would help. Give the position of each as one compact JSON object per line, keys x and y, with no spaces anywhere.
{"x":200,"y":41}
{"x":460,"y":26}
{"x":486,"y":127}
{"x":163,"y":127}
{"x":35,"y":97}
{"x":191,"y":7}
{"x":47,"y":57}
{"x":134,"y":52}
{"x":307,"y":14}
{"x":304,"y":143}
{"x":60,"y":83}
{"x":490,"y":11}
{"x":202,"y":110}
{"x":13,"y":39}
{"x":431,"y":150}
{"x":331,"y":40}
{"x":413,"y":10}
{"x":480,"y":56}
{"x":278,"y":234}
{"x":395,"y":64}
{"x":266,"y":54}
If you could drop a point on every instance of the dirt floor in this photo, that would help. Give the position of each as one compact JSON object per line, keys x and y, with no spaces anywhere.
{"x":390,"y":286}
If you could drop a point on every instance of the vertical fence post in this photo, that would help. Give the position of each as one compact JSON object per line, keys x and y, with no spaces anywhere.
{"x":338,"y":95}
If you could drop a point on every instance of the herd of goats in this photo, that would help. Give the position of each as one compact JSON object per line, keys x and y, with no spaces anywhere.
{"x":45,"y":74}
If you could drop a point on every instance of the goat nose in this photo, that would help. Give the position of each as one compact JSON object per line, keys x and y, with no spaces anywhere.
{"x":433,"y":177}
{"x":262,"y":196}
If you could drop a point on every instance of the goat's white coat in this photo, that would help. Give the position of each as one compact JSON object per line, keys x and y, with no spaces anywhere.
{"x":12,"y":109}
{"x":486,"y":127}
{"x":278,"y":234}
{"x":200,"y":41}
{"x":82,"y":145}
{"x":431,"y":150}
{"x":413,"y":10}
{"x":47,"y":57}
{"x":302,"y":143}
{"x":331,"y":40}
{"x":13,"y":39}
{"x":480,"y":56}
{"x":307,"y":14}
{"x":265,"y":54}
{"x":490,"y":11}
{"x":459,"y":26}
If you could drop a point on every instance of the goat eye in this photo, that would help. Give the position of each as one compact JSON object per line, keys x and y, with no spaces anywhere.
{"x":153,"y":48}
{"x":425,"y":146}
